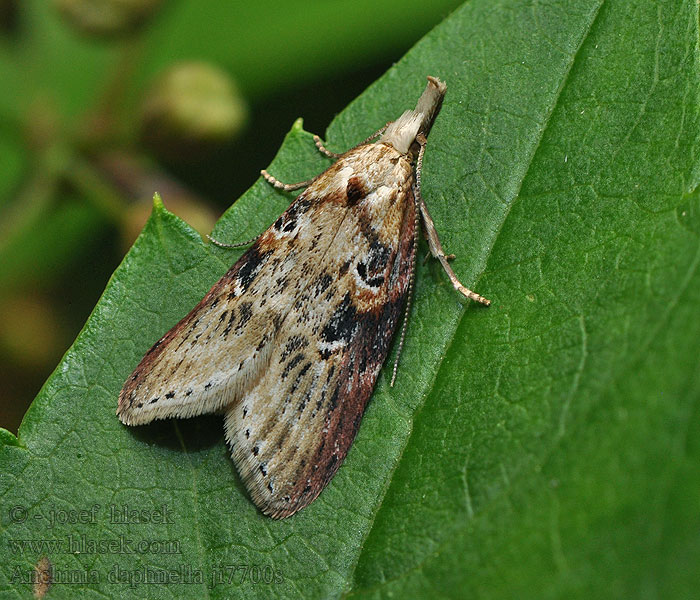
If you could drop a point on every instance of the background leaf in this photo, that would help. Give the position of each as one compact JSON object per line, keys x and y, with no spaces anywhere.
{"x":544,"y":447}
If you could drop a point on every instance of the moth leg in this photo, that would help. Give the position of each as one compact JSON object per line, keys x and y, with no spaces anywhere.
{"x":287,"y":187}
{"x":237,"y":245}
{"x":323,"y":150}
{"x":447,"y":256}
{"x":277,"y":184}
{"x":411,"y":287}
{"x":432,"y":235}
{"x":376,"y":134}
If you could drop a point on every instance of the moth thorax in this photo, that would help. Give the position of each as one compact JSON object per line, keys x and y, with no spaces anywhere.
{"x":401,"y":133}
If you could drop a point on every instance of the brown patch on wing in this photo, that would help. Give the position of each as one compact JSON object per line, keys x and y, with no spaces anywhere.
{"x":355,"y":191}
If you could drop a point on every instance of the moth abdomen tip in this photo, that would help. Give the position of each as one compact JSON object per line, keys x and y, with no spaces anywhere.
{"x":124,"y":416}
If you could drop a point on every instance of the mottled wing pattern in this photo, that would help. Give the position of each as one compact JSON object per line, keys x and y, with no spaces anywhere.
{"x":292,"y":429}
{"x":219,"y":351}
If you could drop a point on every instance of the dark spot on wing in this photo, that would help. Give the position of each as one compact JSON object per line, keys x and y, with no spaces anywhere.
{"x":300,"y":206}
{"x":288,"y":221}
{"x":333,"y":404}
{"x":299,"y":377}
{"x":331,"y":465}
{"x":321,"y":284}
{"x":251,"y":263}
{"x":344,"y":268}
{"x":282,"y":283}
{"x":374,"y":282}
{"x":231,"y":321}
{"x":355,"y":191}
{"x":291,"y":364}
{"x":371,"y":270}
{"x":295,"y":342}
{"x":263,"y":342}
{"x":246,"y":312}
{"x":343,"y":323}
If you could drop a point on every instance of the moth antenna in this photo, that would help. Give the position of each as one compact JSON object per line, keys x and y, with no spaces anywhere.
{"x":290,"y":187}
{"x":411,"y":286}
{"x":375,"y":135}
{"x":323,"y":150}
{"x":286,"y":187}
{"x":432,"y":235}
{"x":237,"y":245}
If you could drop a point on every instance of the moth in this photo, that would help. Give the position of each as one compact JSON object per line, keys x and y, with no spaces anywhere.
{"x":288,"y":344}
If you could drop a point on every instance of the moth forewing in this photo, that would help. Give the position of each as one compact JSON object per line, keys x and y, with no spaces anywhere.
{"x":290,"y":341}
{"x":293,"y":430}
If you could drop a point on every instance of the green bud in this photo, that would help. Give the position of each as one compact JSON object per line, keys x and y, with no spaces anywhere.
{"x":191,"y":109}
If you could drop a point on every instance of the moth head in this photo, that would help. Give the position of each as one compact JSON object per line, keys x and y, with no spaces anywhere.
{"x":402,"y":133}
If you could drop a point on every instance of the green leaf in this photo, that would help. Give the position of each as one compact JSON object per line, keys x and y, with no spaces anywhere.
{"x":545,"y":447}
